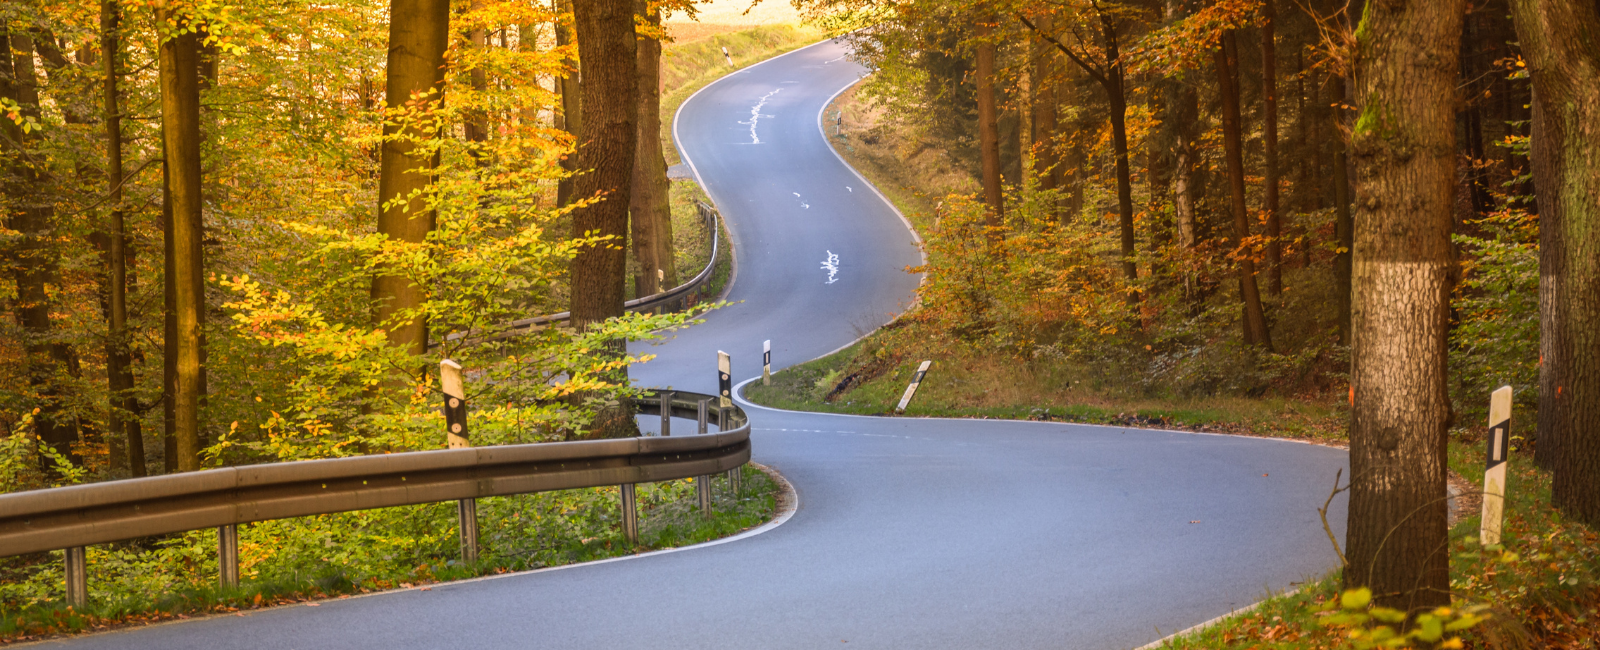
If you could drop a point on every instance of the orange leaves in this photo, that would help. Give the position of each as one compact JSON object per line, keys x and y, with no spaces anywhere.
{"x":1185,"y":44}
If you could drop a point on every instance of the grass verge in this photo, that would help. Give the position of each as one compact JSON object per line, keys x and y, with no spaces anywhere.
{"x":149,"y":581}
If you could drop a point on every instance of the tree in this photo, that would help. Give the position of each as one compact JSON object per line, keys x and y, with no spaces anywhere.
{"x":180,"y":128}
{"x":1227,"y":65}
{"x":1404,"y":147}
{"x":606,"y":149}
{"x":418,"y":35}
{"x":1269,"y":146}
{"x":650,"y":205}
{"x":1558,"y":40}
{"x":34,"y":261}
{"x":119,"y":363}
{"x":570,"y":118}
{"x":988,"y":118}
{"x":1109,"y":70}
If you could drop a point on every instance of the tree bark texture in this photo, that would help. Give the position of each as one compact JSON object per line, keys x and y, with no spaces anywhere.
{"x":418,"y":35}
{"x":121,"y":408}
{"x":649,"y":206}
{"x":606,"y":48}
{"x":1269,"y":148}
{"x":1561,"y":41}
{"x":180,"y":128}
{"x":1227,"y":64}
{"x":571,"y":117}
{"x":1544,"y":168}
{"x":33,"y":261}
{"x":988,"y":120}
{"x":1403,"y":273}
{"x":477,"y":121}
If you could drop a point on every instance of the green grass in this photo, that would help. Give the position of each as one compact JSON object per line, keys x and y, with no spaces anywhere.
{"x":971,"y":384}
{"x":341,"y":555}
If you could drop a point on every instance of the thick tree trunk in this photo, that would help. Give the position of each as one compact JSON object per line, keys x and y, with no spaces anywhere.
{"x":650,"y":207}
{"x":1269,"y":147}
{"x":33,"y":261}
{"x":1404,"y":269}
{"x":1227,"y":62}
{"x":988,"y":121}
{"x":180,"y":127}
{"x":608,"y":143}
{"x":571,"y":117}
{"x":121,"y":417}
{"x":418,"y":34}
{"x":1558,"y":39}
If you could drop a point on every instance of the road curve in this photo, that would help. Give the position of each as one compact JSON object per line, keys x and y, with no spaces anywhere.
{"x":911,"y":533}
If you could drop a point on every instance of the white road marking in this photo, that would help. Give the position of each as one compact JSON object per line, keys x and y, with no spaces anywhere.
{"x":831,"y":265}
{"x":806,"y":205}
{"x":755,"y":115}
{"x":849,"y":188}
{"x":797,"y":194}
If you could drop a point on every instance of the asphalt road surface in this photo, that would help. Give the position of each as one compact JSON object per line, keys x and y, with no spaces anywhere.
{"x":910,"y":533}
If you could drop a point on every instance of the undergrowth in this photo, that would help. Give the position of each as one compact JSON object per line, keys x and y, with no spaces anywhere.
{"x":308,"y":558}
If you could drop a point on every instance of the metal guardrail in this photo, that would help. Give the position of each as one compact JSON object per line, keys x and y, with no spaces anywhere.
{"x":673,"y":299}
{"x":77,"y":516}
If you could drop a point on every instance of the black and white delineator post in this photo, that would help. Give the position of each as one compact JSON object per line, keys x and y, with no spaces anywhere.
{"x":724,"y":380}
{"x":912,"y":389}
{"x":766,"y":363}
{"x":455,"y":422}
{"x":727,"y":56}
{"x":1494,"y":475}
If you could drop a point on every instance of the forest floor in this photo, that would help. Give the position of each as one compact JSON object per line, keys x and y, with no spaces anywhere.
{"x":1539,"y":589}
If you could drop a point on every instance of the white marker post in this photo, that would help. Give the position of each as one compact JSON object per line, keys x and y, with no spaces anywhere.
{"x":455,"y":419}
{"x":912,"y":389}
{"x":1494,"y":475}
{"x":766,"y":363}
{"x":727,"y":56}
{"x":724,"y":379}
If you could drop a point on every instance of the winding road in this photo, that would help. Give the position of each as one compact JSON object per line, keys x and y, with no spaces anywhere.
{"x":910,"y":533}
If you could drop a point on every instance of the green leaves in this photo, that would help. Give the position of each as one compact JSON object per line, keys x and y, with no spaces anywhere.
{"x":1367,"y":626}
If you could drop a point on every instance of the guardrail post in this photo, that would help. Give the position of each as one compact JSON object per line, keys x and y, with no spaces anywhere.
{"x":455,"y":417}
{"x":666,"y":411}
{"x":630,"y":514}
{"x":77,"y":575}
{"x":228,"y":556}
{"x":702,"y":416}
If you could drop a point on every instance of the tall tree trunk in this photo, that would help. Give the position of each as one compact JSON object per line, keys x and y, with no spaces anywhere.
{"x":650,"y":206}
{"x":1343,"y":224}
{"x":180,"y":127}
{"x":608,"y":143}
{"x":988,"y":120}
{"x":1404,"y":268}
{"x":1558,"y":39}
{"x":418,"y":34}
{"x":1115,"y":82}
{"x":33,"y":262}
{"x":1044,"y":110}
{"x":1269,"y":146}
{"x":571,"y":117}
{"x":1227,"y":62}
{"x":121,"y":418}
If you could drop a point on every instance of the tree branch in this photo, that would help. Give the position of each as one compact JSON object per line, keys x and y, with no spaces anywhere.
{"x":1093,"y":71}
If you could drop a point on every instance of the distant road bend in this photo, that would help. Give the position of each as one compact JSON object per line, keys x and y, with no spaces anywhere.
{"x":911,"y":533}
